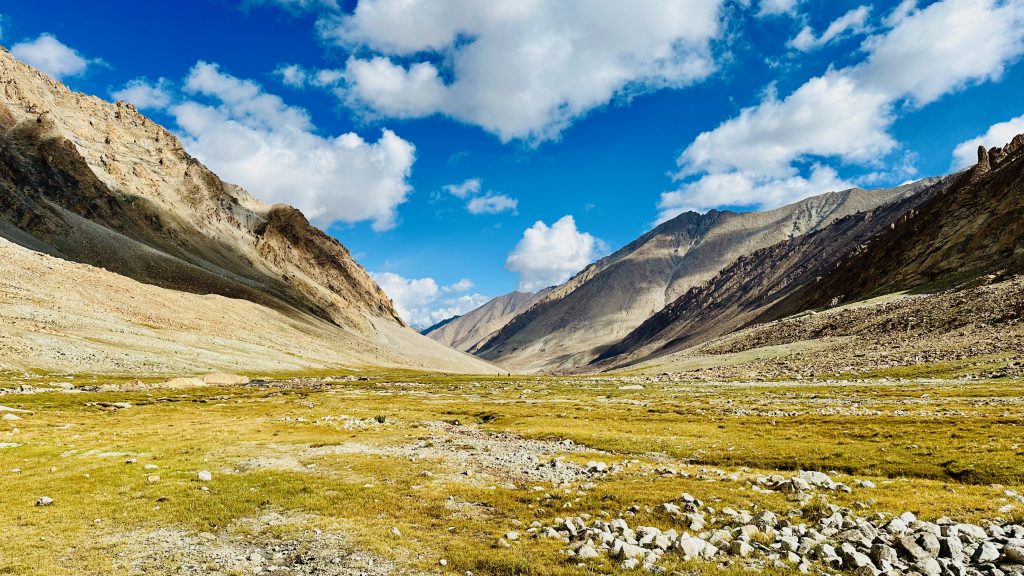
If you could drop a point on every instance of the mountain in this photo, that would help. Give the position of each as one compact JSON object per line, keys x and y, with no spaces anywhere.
{"x":426,"y":331}
{"x":86,"y":181}
{"x":468,"y":331}
{"x":960,"y":228}
{"x":576,"y":322}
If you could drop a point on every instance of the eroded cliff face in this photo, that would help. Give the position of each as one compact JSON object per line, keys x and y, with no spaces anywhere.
{"x":99,"y":183}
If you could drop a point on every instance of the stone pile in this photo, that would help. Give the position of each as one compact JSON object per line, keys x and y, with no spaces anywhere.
{"x":822,"y":535}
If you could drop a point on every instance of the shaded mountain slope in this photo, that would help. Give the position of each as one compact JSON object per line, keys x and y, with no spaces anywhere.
{"x":97,"y":183}
{"x":580,"y":319}
{"x":966,"y":225}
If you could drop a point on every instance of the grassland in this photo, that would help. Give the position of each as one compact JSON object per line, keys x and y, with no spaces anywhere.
{"x":446,"y":460}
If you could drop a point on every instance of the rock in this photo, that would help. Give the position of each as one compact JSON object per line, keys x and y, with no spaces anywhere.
{"x":153,"y":479}
{"x":883,"y":554}
{"x":502,"y":543}
{"x":511,"y":536}
{"x":691,"y":547}
{"x":624,"y":549}
{"x":912,"y":550}
{"x":630,"y":564}
{"x":209,"y":537}
{"x":740,"y":548}
{"x":1013,"y":554}
{"x":587,"y":552}
{"x":986,"y":552}
{"x":928,"y":567}
{"x":205,"y":475}
{"x":983,"y":164}
{"x":44,"y":501}
{"x":150,"y":467}
{"x":442,"y":562}
{"x":10,"y":417}
{"x":951,"y":547}
{"x":396,"y":532}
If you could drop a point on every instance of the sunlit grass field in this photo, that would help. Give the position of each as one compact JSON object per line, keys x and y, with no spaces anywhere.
{"x":934,"y":448}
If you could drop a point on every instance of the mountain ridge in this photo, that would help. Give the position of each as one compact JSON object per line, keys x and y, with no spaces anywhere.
{"x":98,"y":183}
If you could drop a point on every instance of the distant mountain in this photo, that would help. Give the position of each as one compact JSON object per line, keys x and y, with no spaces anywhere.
{"x":575,"y":323}
{"x":426,"y":331}
{"x":468,"y":331}
{"x":958,"y":229}
{"x":87,"y":181}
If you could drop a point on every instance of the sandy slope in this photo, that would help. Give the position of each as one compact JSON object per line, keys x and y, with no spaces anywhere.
{"x":64,"y":316}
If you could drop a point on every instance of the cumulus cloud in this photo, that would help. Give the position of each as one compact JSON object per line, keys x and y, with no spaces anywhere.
{"x":51,"y":56}
{"x":492,"y":204}
{"x":253,"y":138}
{"x":549,"y":255}
{"x":845,"y":115}
{"x":853,"y":22}
{"x":422,"y":303}
{"x":295,"y":76}
{"x":145,"y":94}
{"x":467,"y":188}
{"x":742,"y":189}
{"x":479,"y":202}
{"x":966,"y":153}
{"x":519,"y":69}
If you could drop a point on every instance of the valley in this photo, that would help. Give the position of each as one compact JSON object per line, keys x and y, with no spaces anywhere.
{"x":392,"y":472}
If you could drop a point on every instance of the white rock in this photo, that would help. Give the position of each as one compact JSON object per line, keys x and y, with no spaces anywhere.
{"x":44,"y":501}
{"x":205,"y":475}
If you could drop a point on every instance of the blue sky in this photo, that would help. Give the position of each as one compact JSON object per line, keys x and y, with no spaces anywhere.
{"x":431,"y":137}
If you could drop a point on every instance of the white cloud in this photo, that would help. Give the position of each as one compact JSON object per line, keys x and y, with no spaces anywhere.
{"x":966,"y":153}
{"x":549,"y":255}
{"x":422,"y":303}
{"x":943,"y":48}
{"x":254,"y":139}
{"x":740,"y":189}
{"x":51,"y":56}
{"x":777,"y":7}
{"x":292,"y":75}
{"x":145,"y":94}
{"x":828,"y":116}
{"x":492,"y":204}
{"x":467,"y":188}
{"x":295,"y":76}
{"x":845,"y":115}
{"x":486,"y":203}
{"x":521,"y":69}
{"x":853,"y":22}
{"x":460,"y":286}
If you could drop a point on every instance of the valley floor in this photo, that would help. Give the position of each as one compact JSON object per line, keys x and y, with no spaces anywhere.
{"x":418,"y":473}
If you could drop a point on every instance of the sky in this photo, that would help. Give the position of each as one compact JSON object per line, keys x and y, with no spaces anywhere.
{"x":464,"y":149}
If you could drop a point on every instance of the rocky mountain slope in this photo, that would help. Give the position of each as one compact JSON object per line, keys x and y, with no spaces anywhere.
{"x":577,"y":321}
{"x":469,"y":331}
{"x":965,"y":226}
{"x":97,"y":183}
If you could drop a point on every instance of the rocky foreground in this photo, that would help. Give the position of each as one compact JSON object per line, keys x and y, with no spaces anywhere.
{"x":816,"y":534}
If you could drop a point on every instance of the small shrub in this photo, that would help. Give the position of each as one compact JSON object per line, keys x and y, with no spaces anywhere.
{"x":380,"y":418}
